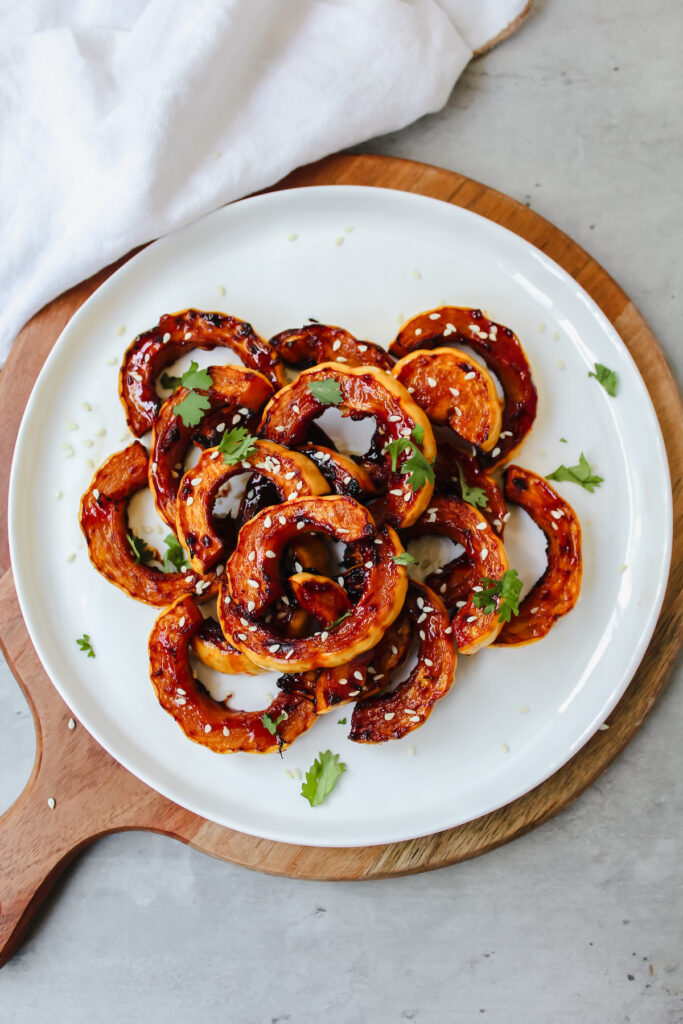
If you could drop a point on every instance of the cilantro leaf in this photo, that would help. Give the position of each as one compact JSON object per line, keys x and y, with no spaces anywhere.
{"x":321,"y":777}
{"x":507,"y":589}
{"x":606,"y":377}
{"x":417,"y":465}
{"x":581,"y":474}
{"x":192,"y":408}
{"x":341,"y":721}
{"x":326,"y":391}
{"x":86,"y":646}
{"x":168,"y":381}
{"x":271,"y":725}
{"x":418,"y":433}
{"x":563,"y":440}
{"x":474,"y":495}
{"x":236,"y":444}
{"x":176,"y":555}
{"x":195,"y":378}
{"x":405,"y":558}
{"x":336,"y":622}
{"x":141,"y":552}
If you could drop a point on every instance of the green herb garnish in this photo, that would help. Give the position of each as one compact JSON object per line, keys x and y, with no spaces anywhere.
{"x":192,"y":408}
{"x":86,"y":646}
{"x":326,"y":391}
{"x":341,"y":721}
{"x":606,"y":377}
{"x":418,"y":466}
{"x":236,"y":445}
{"x":333,"y":625}
{"x":271,"y":725}
{"x":192,"y":379}
{"x":405,"y":558}
{"x":507,"y":590}
{"x":474,"y":495}
{"x":176,"y":555}
{"x":322,"y":777}
{"x":141,"y":552}
{"x":581,"y":474}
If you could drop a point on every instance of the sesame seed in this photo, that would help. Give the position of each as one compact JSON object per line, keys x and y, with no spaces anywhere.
{"x":534,"y":610}
{"x":460,"y":604}
{"x":226,"y":731}
{"x":505,"y":748}
{"x":422,"y":634}
{"x":252,"y":583}
{"x":112,"y":362}
{"x":282,"y":521}
{"x":51,"y":803}
{"x":236,"y":418}
{"x":220,"y":569}
{"x":506,"y":433}
{"x":435,"y":316}
{"x":428,"y":662}
{"x":280,"y":430}
{"x":603,"y":727}
{"x":389,"y":715}
{"x":71,"y":557}
{"x":88,"y":443}
{"x":397,"y":491}
{"x":443,"y":588}
{"x":457,"y":410}
{"x":431,"y":382}
{"x":274,"y":648}
{"x":190,"y":501}
{"x":554,"y":526}
{"x":477,"y":590}
{"x":241,"y":636}
{"x":484,"y":552}
{"x":369,"y":565}
{"x":343,"y":682}
{"x":560,"y":364}
{"x":336,"y":346}
{"x":267,"y":522}
{"x":59,"y":494}
{"x":251,"y":556}
{"x":181,"y":623}
{"x":524,"y":710}
{"x":480,"y":526}
{"x":418,"y":331}
{"x":358,"y":675}
{"x":251,"y":605}
{"x":411,"y":750}
{"x":195,"y":480}
{"x":417,"y":275}
{"x":207,"y":728}
{"x":495,"y":453}
{"x":557,"y":513}
{"x":410,"y":391}
{"x":422,"y":618}
{"x":448,"y":630}
{"x":324,"y":635}
{"x":71,"y":724}
{"x":353,"y":693}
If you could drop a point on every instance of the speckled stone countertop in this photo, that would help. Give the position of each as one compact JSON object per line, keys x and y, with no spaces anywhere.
{"x":578,"y":115}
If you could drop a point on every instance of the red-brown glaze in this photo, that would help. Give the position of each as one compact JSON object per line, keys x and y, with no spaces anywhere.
{"x":389,"y":716}
{"x":251,"y":585}
{"x":320,"y":343}
{"x":557,"y":591}
{"x":342,"y":474}
{"x":206,"y":721}
{"x":454,"y":391}
{"x":498,"y":346}
{"x":322,"y":598}
{"x":173,"y":336}
{"x":104,"y":521}
{"x":448,"y":458}
{"x":214,"y":651}
{"x":366,"y":392}
{"x":484,"y":557}
{"x":292,"y":473}
{"x":236,"y":394}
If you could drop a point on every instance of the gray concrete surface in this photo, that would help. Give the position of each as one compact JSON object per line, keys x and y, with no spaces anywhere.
{"x":579,"y":115}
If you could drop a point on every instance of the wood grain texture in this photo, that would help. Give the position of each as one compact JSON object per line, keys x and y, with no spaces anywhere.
{"x":95,"y":795}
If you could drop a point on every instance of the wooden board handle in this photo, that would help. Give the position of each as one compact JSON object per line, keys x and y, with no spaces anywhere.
{"x":35,"y":848}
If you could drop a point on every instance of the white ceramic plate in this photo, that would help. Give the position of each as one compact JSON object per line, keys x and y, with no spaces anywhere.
{"x":366,"y":259}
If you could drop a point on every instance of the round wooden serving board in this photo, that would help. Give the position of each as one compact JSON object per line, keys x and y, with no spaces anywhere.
{"x":94,"y":795}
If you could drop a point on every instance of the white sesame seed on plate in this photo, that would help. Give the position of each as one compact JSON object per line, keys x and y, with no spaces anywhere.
{"x":101,"y":432}
{"x":411,"y":750}
{"x":417,"y":275}
{"x":71,"y":557}
{"x":51,"y":803}
{"x":112,"y":362}
{"x":339,"y":241}
{"x":71,"y":724}
{"x":505,"y":748}
{"x":524,"y":710}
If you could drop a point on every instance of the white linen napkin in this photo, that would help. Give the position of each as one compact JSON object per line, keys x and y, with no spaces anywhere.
{"x":121,"y":121}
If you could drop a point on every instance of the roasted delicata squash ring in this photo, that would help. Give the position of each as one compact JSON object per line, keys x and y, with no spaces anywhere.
{"x":174,"y":335}
{"x":449,"y":461}
{"x":320,"y":343}
{"x":557,"y":591}
{"x":252,"y":585}
{"x":103,"y":518}
{"x":291,"y":472}
{"x":342,"y":474}
{"x":236,"y":393}
{"x":498,"y":346}
{"x":454,"y":390}
{"x":206,"y":721}
{"x":323,"y":599}
{"x":365,"y":391}
{"x":390,"y":716}
{"x":484,"y":557}
{"x":214,"y":651}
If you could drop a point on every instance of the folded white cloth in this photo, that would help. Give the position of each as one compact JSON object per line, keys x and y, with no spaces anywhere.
{"x":121,"y":121}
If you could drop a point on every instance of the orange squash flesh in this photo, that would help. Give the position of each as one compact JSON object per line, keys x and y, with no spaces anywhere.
{"x":236,"y":393}
{"x":206,"y":721}
{"x":320,"y":343}
{"x":214,"y":651}
{"x":455,"y":391}
{"x":500,"y":349}
{"x":178,"y":333}
{"x":389,"y":716}
{"x":104,"y":521}
{"x":557,"y":591}
{"x":292,"y":473}
{"x":365,"y":392}
{"x":484,"y":557}
{"x":251,"y":585}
